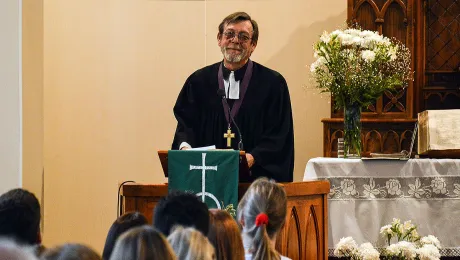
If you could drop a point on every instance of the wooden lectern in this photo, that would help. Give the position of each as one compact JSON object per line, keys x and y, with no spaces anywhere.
{"x":304,"y":235}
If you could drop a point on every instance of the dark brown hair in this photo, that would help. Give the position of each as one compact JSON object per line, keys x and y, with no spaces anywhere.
{"x":120,"y":225}
{"x":240,"y":17}
{"x":225,"y":236}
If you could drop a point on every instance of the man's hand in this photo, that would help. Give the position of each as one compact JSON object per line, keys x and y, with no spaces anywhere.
{"x":250,"y":160}
{"x":185,"y":148}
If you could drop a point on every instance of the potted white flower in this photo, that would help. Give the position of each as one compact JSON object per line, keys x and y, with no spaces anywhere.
{"x":409,"y":245}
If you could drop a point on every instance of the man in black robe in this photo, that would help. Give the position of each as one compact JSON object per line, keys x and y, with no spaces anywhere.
{"x":258,"y":98}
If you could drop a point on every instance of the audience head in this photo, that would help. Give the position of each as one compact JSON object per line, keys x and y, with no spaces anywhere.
{"x":119,"y":226}
{"x":181,"y":208}
{"x":190,"y":244}
{"x":262,"y":212}
{"x":11,"y":251}
{"x":225,"y":236}
{"x":142,"y":243}
{"x":70,"y":252}
{"x":20,"y":216}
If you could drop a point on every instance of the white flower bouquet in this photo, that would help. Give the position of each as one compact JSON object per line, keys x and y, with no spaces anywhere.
{"x":357,"y":66}
{"x":409,"y":245}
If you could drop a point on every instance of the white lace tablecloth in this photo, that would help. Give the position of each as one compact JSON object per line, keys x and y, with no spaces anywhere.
{"x":367,"y":194}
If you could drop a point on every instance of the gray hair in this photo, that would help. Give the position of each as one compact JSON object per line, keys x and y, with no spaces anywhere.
{"x":142,"y":243}
{"x":190,"y":244}
{"x":71,"y":251}
{"x":262,"y":197}
{"x":10,"y":250}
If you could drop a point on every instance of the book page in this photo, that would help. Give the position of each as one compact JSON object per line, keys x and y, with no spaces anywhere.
{"x":444,"y":129}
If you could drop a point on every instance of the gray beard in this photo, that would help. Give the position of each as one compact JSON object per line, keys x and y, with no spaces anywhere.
{"x":233,"y":58}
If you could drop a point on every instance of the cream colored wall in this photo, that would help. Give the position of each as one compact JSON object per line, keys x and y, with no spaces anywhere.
{"x":32,"y":96}
{"x":112,"y":72}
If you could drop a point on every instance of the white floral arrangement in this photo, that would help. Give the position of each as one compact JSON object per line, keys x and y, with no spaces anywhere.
{"x":409,"y":245}
{"x":357,"y":66}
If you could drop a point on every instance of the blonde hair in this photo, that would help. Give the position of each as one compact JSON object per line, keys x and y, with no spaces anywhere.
{"x":142,"y":243}
{"x":225,"y":235}
{"x":264,"y":197}
{"x":190,"y":244}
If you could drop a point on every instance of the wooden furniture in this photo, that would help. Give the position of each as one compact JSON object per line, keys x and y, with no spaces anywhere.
{"x":431,"y":31}
{"x":304,"y":235}
{"x":437,"y":56}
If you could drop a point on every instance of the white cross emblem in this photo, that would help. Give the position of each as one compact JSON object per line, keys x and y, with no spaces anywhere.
{"x":203,"y":169}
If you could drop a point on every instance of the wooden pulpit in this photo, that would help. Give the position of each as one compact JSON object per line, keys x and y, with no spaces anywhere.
{"x":304,"y":235}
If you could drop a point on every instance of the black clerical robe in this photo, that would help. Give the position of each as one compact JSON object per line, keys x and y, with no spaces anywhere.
{"x":264,"y":118}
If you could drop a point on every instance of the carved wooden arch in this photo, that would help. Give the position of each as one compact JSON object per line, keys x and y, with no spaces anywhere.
{"x":294,"y":232}
{"x":448,"y":94}
{"x":380,"y":14}
{"x":368,"y":138}
{"x":335,"y":135}
{"x":396,"y":139}
{"x":406,"y":135}
{"x":311,"y":215}
{"x":388,"y":3}
{"x":442,"y":95}
{"x":371,"y":3}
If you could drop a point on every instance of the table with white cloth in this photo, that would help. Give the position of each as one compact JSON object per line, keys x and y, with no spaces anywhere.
{"x":367,"y":194}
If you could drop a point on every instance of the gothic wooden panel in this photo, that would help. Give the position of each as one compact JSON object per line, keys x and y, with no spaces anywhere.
{"x":294,"y":244}
{"x":441,"y":86}
{"x":394,"y":101}
{"x":366,"y":14}
{"x":395,"y":22}
{"x":377,"y":135}
{"x":372,"y":141}
{"x":443,"y":35}
{"x":441,"y":99}
{"x":312,"y":233}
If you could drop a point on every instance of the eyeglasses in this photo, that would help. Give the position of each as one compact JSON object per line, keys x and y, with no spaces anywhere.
{"x":242,"y":37}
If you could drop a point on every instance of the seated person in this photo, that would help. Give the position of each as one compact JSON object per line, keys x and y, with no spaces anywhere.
{"x":190,"y":244}
{"x":225,"y":236}
{"x":142,"y":243}
{"x":120,"y":225}
{"x":181,"y":208}
{"x":261,"y":213}
{"x":70,"y":252}
{"x":9,"y":250}
{"x":20,"y":217}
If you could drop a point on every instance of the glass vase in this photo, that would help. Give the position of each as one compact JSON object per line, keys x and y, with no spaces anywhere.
{"x":352,"y":131}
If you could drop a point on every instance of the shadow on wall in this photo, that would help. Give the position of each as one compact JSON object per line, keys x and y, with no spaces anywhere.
{"x":308,"y":106}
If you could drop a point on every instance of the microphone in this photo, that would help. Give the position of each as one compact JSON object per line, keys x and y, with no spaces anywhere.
{"x":221,"y":93}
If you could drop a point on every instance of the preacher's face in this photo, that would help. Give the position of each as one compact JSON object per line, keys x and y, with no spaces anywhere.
{"x":236,"y":42}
